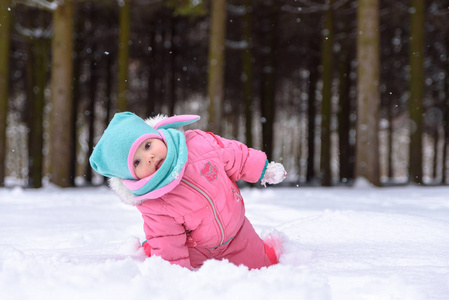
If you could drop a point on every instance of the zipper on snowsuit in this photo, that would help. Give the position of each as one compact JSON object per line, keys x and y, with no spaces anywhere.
{"x":220,"y":225}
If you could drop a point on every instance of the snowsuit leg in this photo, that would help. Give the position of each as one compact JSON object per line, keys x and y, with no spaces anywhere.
{"x":198,"y":256}
{"x":248,"y":249}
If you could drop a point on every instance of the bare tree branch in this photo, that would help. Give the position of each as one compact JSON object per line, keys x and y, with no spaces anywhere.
{"x":302,"y":10}
{"x":236,"y":10}
{"x":311,"y":7}
{"x":35,"y":33}
{"x":309,"y":3}
{"x":339,"y":4}
{"x":438,"y":11}
{"x":144,"y":2}
{"x":39,"y":3}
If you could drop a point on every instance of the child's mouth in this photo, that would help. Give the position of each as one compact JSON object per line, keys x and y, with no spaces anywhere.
{"x":159,"y":164}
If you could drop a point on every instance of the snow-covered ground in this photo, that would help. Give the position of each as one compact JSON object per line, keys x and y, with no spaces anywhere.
{"x":341,"y":243}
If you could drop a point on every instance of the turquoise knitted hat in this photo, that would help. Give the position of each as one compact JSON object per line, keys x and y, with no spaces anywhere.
{"x":112,"y":156}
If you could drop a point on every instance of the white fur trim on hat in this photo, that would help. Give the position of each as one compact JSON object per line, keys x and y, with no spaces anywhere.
{"x":156,"y":119}
{"x":116,"y":184}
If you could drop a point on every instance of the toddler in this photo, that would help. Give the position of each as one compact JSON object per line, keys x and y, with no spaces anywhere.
{"x":183,"y":183}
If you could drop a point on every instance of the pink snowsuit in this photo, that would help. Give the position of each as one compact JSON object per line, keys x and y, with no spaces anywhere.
{"x":204,"y":216}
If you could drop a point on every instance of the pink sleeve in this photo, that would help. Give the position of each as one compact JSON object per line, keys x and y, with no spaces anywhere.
{"x":240,"y":161}
{"x":167,"y":239}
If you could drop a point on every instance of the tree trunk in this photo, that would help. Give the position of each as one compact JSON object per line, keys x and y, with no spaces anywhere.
{"x":312,"y":110}
{"x":158,"y":68}
{"x":436,"y":137}
{"x":416,"y":90}
{"x":78,"y":48}
{"x":248,"y":74}
{"x":215,"y":84}
{"x":151,"y":61}
{"x":108,"y":88}
{"x":445,"y":141}
{"x":171,"y":68}
{"x":311,"y":130}
{"x":61,"y":91}
{"x":345,"y":101}
{"x":268,"y":90}
{"x":327,"y":65}
{"x":5,"y":17}
{"x":344,"y":117}
{"x":93,"y":86}
{"x":39,"y":63}
{"x":368,"y":93}
{"x":390,"y":141}
{"x":445,"y":123}
{"x":108,"y":94}
{"x":123,"y":60}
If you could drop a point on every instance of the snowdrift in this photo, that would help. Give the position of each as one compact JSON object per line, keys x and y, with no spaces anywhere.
{"x":340,"y":243}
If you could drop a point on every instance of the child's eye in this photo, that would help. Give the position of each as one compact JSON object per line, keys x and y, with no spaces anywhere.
{"x":147,"y":146}
{"x":136,"y":162}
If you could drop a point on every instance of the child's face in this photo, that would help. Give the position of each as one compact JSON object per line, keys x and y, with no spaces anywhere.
{"x":149,"y":157}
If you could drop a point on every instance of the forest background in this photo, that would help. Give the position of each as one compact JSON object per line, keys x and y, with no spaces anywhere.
{"x":333,"y":89}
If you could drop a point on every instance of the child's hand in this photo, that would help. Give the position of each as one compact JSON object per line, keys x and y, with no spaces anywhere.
{"x":274,"y":174}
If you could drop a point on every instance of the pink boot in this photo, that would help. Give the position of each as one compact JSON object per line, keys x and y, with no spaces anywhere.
{"x":273,"y":246}
{"x":146,"y":248}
